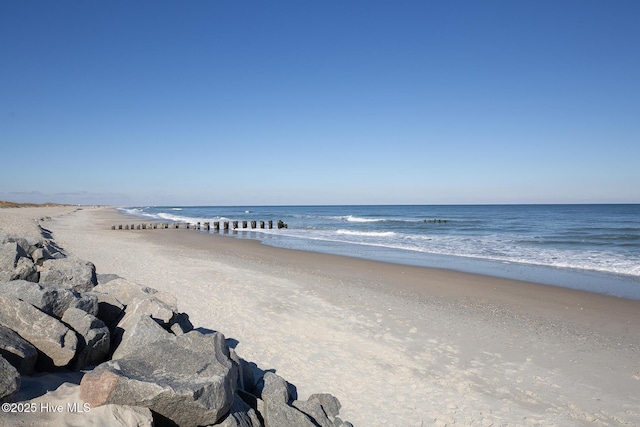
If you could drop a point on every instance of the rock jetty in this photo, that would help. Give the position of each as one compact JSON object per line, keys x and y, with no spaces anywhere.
{"x":140,"y":356}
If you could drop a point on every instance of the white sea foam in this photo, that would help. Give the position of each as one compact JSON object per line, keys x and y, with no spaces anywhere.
{"x":137,"y":212}
{"x":367,"y":233}
{"x":169,"y":216}
{"x":489,"y":248}
{"x":174,"y":218}
{"x":131,"y":211}
{"x":352,"y":218}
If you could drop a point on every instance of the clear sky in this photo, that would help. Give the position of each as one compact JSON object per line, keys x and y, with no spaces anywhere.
{"x":252,"y":102}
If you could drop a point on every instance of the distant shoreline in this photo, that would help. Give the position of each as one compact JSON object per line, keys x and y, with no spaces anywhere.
{"x":8,"y":204}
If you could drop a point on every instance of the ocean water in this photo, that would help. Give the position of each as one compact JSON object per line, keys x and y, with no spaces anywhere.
{"x":589,"y":247}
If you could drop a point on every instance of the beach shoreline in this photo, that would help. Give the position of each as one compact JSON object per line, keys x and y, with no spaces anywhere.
{"x":551,"y":244}
{"x":486,"y":293}
{"x":471,"y":284}
{"x":397,"y":344}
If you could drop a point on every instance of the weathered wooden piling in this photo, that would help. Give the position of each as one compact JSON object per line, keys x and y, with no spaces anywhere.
{"x":216,"y":225}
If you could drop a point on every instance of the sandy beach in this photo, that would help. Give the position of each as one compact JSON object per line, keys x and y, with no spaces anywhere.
{"x":398,"y":345}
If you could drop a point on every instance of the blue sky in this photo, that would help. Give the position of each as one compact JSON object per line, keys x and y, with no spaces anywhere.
{"x":242,"y":102}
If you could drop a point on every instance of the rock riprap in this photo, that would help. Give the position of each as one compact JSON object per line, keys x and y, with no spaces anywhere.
{"x":138,"y":352}
{"x":9,"y":380}
{"x":188,"y":379}
{"x":56,"y":344}
{"x":17,"y":351}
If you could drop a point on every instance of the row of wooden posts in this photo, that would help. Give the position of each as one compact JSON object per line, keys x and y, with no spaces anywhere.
{"x":206,"y":226}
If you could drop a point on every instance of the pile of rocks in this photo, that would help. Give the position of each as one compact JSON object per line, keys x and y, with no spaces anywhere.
{"x":136,"y":349}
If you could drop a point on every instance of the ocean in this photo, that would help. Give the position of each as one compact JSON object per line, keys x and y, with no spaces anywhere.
{"x":589,"y":247}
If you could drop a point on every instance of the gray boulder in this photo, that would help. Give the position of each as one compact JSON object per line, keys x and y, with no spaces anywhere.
{"x":322,"y":408}
{"x":188,"y":379}
{"x":110,"y":310}
{"x":126,"y":291}
{"x":9,"y":380}
{"x":25,"y":270}
{"x":93,"y":346}
{"x":39,"y":255}
{"x":55,"y":342}
{"x":10,"y":253}
{"x":76,"y":274}
{"x":86,"y":302}
{"x":17,"y":351}
{"x":135,"y":331}
{"x":276,"y":409}
{"x":330,"y":404}
{"x":240,"y":415}
{"x":51,"y":299}
{"x":25,"y":247}
{"x":157,"y":309}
